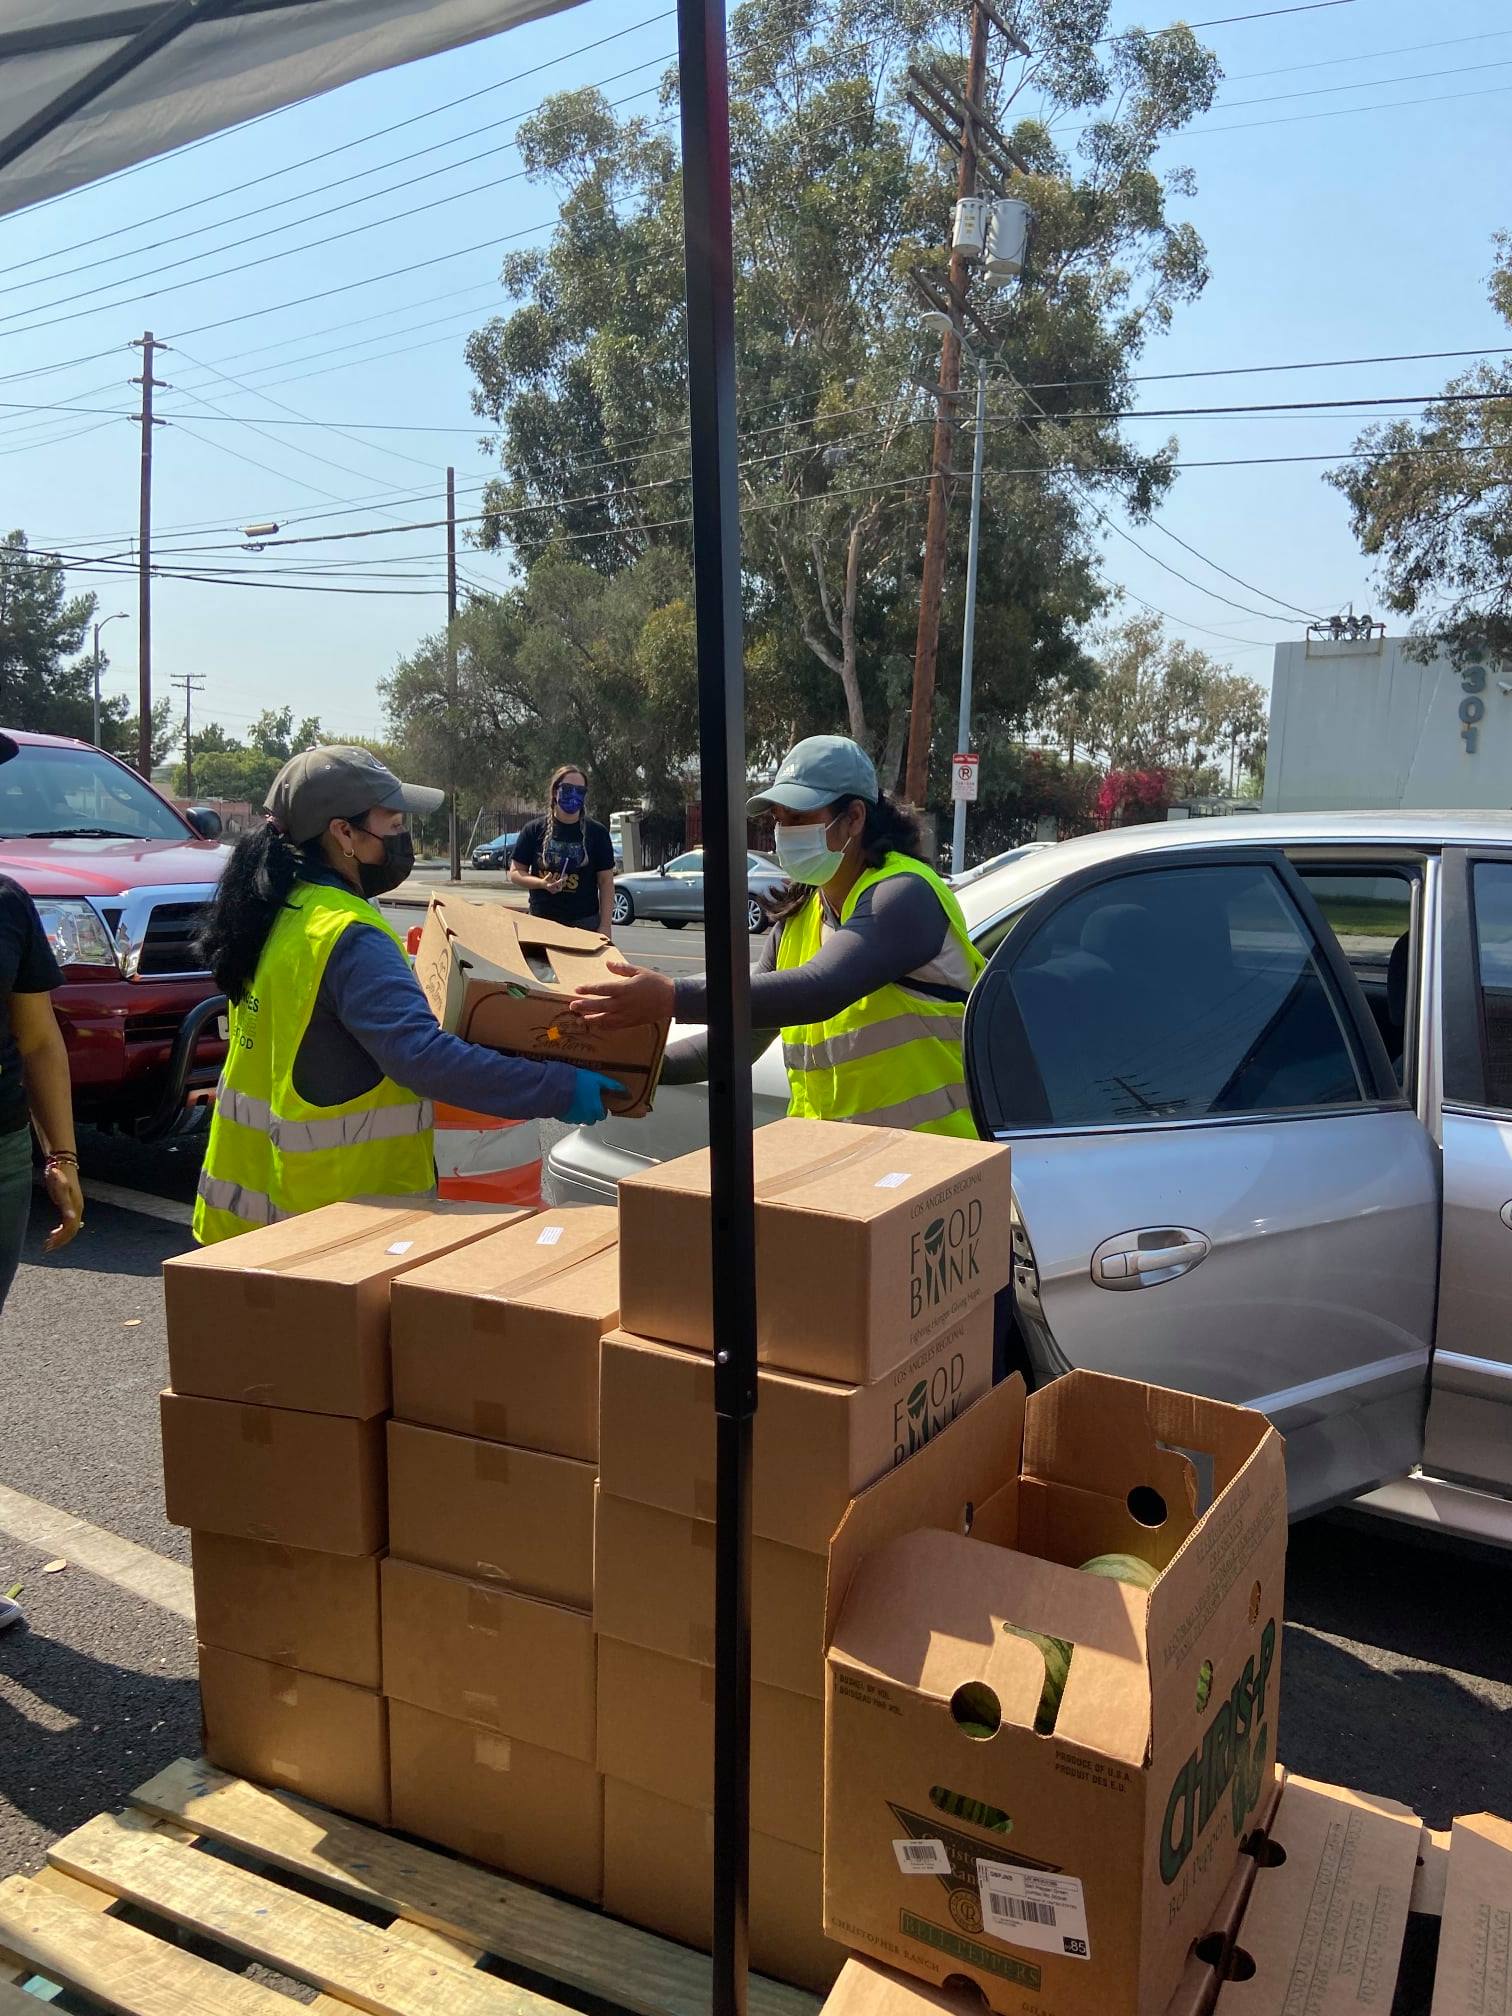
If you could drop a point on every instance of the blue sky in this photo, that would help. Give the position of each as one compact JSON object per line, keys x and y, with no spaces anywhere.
{"x":1350,"y":178}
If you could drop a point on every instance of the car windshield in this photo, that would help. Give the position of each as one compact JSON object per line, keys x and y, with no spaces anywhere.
{"x":78,"y":794}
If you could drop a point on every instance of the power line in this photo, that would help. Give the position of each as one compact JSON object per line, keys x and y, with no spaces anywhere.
{"x":1345,"y":112}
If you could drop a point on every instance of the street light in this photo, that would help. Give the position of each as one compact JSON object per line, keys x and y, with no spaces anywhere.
{"x":97,"y":629}
{"x":939,"y":322}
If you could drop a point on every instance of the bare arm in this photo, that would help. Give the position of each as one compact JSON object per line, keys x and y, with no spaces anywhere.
{"x":44,"y":1067}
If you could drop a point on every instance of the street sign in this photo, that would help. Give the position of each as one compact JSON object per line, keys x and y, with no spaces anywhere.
{"x":963,"y":778}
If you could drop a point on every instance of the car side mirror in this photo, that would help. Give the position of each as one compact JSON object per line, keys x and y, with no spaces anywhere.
{"x":206,"y":821}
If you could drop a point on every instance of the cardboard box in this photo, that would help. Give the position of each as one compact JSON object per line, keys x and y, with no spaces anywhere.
{"x":297,"y":1314}
{"x":817,"y":1444}
{"x":501,"y":1339}
{"x":479,"y":1653}
{"x":870,"y":1244}
{"x":1070,"y":1869}
{"x":318,"y":1737}
{"x":529,"y":1811}
{"x":268,"y":1473}
{"x":493,"y":1513}
{"x":656,"y":1730}
{"x":317,"y":1612}
{"x":654,"y":1587}
{"x":658,"y":1872}
{"x":504,"y":979}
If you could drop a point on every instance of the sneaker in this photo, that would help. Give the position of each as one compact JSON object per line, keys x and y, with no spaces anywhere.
{"x":10,"y":1613}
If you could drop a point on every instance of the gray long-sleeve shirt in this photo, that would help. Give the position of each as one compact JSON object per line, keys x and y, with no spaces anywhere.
{"x":896,"y":927}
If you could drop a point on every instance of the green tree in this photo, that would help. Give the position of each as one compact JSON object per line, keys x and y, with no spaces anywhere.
{"x":42,"y":687}
{"x":118,"y":730}
{"x":575,"y":666}
{"x":1431,"y":500}
{"x":838,"y":191}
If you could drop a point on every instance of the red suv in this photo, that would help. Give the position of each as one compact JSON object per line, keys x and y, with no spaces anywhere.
{"x":120,"y":877}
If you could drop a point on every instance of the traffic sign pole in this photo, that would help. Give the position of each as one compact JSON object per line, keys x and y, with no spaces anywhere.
{"x":968,"y":636}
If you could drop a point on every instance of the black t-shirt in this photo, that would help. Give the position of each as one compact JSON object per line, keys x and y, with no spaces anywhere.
{"x":27,"y":966}
{"x":579,"y":854}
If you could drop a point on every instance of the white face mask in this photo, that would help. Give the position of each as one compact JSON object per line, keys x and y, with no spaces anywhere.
{"x":805,"y":855}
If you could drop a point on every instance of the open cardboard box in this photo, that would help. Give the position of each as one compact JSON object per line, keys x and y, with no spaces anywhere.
{"x":1341,"y":1902}
{"x":1071,"y":1870}
{"x":504,"y":979}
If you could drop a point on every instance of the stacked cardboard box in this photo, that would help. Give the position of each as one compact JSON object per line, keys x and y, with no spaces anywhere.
{"x":488,"y":1652}
{"x":878,"y":1256}
{"x":278,"y":1349}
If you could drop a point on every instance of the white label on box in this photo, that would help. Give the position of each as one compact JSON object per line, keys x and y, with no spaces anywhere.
{"x":400,"y":1246}
{"x":550,"y":1236}
{"x":1033,"y":1907}
{"x":893,"y":1180}
{"x":922,"y":1858}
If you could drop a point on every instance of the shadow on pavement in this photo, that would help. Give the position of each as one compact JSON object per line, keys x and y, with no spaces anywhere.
{"x":90,"y":1731}
{"x":1421,"y":1710}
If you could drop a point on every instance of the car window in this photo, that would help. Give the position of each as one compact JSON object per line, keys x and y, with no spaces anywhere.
{"x":685,"y":864}
{"x":1371,"y":916}
{"x":1493,"y":952}
{"x":1179,"y":994}
{"x":78,"y":791}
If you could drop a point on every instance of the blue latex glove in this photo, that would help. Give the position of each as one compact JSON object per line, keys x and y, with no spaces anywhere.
{"x":589,"y":1096}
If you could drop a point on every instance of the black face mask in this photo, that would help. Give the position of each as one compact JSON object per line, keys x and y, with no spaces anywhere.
{"x":397,"y":865}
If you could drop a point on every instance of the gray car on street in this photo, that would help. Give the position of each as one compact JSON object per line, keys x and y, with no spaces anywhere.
{"x":1256,"y":1074}
{"x":674,"y":894}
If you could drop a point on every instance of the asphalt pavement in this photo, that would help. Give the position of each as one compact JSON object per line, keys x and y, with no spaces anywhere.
{"x":1397,"y":1667}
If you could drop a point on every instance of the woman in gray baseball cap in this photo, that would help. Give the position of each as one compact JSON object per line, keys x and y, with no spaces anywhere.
{"x":867,"y":971}
{"x":335,"y":1056}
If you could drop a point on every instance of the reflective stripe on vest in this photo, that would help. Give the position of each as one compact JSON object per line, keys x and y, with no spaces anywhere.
{"x":893,"y":1058}
{"x":271,"y":1153}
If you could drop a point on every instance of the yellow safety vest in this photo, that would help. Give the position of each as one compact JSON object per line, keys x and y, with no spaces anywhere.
{"x":893,"y":1058}
{"x":271,"y":1153}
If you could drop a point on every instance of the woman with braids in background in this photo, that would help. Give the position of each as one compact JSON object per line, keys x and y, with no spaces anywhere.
{"x":335,"y":1056}
{"x":566,"y":860}
{"x":866,"y":973}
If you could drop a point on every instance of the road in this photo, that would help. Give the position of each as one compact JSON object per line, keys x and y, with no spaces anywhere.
{"x":1397,"y":1669}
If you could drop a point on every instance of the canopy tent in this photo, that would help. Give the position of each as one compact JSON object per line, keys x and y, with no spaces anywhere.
{"x":87,"y":89}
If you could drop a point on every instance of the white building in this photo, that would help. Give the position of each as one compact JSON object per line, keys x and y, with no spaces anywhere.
{"x":1357,"y":725}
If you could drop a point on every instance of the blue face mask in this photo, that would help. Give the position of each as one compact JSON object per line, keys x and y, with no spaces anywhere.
{"x":570,"y":799}
{"x":805,"y":855}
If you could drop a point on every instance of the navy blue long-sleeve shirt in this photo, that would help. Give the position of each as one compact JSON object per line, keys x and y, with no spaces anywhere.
{"x":371,"y":1021}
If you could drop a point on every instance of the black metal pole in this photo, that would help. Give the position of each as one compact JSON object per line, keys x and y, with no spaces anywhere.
{"x":704,"y":90}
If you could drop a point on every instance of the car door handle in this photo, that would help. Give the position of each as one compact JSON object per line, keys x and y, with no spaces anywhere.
{"x":1148,"y":1257}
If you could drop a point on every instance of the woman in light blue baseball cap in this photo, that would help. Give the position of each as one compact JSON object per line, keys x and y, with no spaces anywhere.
{"x":868,"y":967}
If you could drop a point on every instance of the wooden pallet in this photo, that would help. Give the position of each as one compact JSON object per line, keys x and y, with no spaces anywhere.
{"x":63,"y":1928}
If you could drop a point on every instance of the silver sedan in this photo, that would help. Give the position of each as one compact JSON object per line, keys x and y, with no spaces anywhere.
{"x":674,"y":894}
{"x":1256,"y":1075}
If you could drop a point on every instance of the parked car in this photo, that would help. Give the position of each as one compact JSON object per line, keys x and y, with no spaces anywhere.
{"x":120,"y":877}
{"x":673,"y":895}
{"x":985,"y":868}
{"x":494,"y":853}
{"x":1256,"y":1075}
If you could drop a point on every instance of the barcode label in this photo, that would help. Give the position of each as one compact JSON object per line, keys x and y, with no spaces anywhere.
{"x":893,"y":1180}
{"x":1036,"y":1908}
{"x":550,"y":1236}
{"x":922,"y":1858}
{"x":399,"y":1248}
{"x":1023,"y":1908}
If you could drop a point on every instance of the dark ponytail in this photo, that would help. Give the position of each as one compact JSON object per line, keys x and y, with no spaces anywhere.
{"x":889,"y":829}
{"x":257,"y":883}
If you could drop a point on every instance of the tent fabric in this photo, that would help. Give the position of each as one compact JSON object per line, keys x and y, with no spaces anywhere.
{"x":234,"y":61}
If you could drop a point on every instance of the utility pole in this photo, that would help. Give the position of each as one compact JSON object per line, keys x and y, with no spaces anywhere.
{"x":190,"y":684}
{"x":149,"y":384}
{"x":454,"y":833}
{"x":968,"y":634}
{"x":927,"y":645}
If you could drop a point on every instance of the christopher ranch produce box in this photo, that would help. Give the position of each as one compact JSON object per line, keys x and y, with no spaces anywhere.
{"x":870,"y":1243}
{"x":506,"y":980}
{"x":1340,"y":1902}
{"x":1039,"y":1779}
